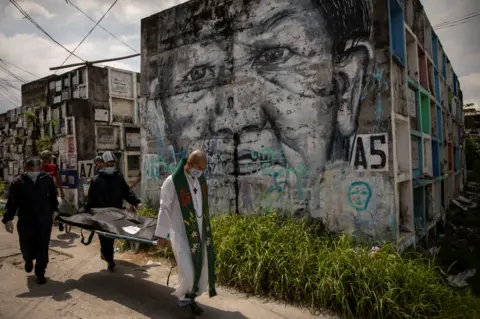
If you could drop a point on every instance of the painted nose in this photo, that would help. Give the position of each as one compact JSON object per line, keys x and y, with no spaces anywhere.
{"x":237,"y":109}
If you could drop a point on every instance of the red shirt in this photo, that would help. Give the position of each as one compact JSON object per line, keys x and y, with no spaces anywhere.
{"x":51,"y":169}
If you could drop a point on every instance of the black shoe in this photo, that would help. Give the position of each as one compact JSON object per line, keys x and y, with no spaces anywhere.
{"x":195,"y":308}
{"x":60,"y":226}
{"x":28,"y":266}
{"x":41,"y":280}
{"x":111,"y":266}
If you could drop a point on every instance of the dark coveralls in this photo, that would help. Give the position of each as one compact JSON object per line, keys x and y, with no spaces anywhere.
{"x":35,"y":203}
{"x":109,"y":190}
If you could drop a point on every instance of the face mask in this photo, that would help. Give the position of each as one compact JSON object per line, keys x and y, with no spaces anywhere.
{"x":33,"y":176}
{"x":195,"y":172}
{"x":109,"y":170}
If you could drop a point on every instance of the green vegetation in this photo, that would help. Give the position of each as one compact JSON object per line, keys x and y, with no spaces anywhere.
{"x":296,"y":261}
{"x":289,"y":260}
{"x":30,"y":117}
{"x":44,"y":144}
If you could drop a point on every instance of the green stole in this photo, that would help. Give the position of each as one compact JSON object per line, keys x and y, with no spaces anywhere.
{"x":191,"y":229}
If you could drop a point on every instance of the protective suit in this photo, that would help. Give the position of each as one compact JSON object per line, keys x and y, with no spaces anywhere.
{"x":35,"y":201}
{"x":109,"y":189}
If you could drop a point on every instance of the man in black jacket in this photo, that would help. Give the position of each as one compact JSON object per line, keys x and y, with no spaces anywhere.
{"x":33,"y":196}
{"x":109,"y":189}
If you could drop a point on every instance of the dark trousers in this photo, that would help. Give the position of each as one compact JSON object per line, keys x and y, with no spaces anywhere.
{"x":34,"y":244}
{"x":106,"y":247}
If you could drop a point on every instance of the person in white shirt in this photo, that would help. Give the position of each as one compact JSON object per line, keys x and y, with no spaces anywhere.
{"x":184,"y":218}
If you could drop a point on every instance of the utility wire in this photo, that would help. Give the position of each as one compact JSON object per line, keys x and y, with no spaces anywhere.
{"x":11,"y":98}
{"x":73,"y":53}
{"x":9,"y":84}
{"x":71,"y":3}
{"x":26,"y":15}
{"x":445,"y":21}
{"x":461,"y":20}
{"x":7,"y":97}
{"x":453,"y":25}
{"x":12,"y":95}
{"x":12,"y":74}
{"x":5,"y":61}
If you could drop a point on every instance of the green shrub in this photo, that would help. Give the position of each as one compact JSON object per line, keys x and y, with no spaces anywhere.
{"x":147,"y":212}
{"x":2,"y":189}
{"x":43,"y":144}
{"x":287,"y":260}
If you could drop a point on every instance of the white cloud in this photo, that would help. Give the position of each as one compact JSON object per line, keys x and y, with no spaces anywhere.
{"x":32,"y":8}
{"x":129,"y":37}
{"x":36,"y":53}
{"x":43,"y":54}
{"x":126,"y":11}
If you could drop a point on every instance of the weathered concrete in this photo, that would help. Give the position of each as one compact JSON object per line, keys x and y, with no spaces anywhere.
{"x":79,"y":287}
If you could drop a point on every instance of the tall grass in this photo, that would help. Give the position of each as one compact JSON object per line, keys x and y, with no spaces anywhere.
{"x":288,"y":260}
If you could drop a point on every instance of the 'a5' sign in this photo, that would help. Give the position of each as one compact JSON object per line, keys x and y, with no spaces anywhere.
{"x":370,"y":152}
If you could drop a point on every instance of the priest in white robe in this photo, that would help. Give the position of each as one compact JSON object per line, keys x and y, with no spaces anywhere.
{"x":184,"y":218}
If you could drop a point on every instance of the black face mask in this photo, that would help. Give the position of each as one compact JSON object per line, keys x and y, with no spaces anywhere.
{"x":96,"y":169}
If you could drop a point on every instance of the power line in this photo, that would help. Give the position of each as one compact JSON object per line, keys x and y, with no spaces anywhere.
{"x":444,"y":22}
{"x":26,"y":15}
{"x":11,"y":98}
{"x":458,"y":21}
{"x":71,"y":3}
{"x":453,"y":25}
{"x":451,"y":22}
{"x":5,"y":69}
{"x":13,"y":72}
{"x":3,"y":60}
{"x":9,"y":84}
{"x":7,"y":98}
{"x":72,"y":53}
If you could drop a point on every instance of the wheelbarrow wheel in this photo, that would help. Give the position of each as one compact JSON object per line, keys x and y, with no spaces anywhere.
{"x":68,"y":229}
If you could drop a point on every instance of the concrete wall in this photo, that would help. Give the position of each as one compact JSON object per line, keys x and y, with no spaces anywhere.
{"x":34,"y":92}
{"x":98,"y":87}
{"x":289,"y":98}
{"x":84,"y":113}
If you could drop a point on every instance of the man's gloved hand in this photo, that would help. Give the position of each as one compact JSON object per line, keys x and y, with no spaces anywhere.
{"x":9,"y":227}
{"x":139,"y":206}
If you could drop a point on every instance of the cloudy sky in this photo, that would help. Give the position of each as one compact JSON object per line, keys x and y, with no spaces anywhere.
{"x":26,"y":47}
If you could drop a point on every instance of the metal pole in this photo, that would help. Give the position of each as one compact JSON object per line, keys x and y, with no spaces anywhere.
{"x":94,"y":62}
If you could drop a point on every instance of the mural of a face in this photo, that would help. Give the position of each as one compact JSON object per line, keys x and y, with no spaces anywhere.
{"x":359,"y":195}
{"x":270,"y":90}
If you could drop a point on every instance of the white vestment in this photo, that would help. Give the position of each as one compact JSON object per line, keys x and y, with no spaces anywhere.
{"x":170,"y":222}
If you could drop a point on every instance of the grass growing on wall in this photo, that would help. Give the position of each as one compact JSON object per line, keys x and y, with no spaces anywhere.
{"x":43,"y":144}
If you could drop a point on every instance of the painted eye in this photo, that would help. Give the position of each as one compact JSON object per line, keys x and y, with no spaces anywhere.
{"x":274,"y":56}
{"x":199,"y":73}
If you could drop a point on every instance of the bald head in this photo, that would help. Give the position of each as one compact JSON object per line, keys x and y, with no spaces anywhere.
{"x":197,"y":162}
{"x":197,"y":156}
